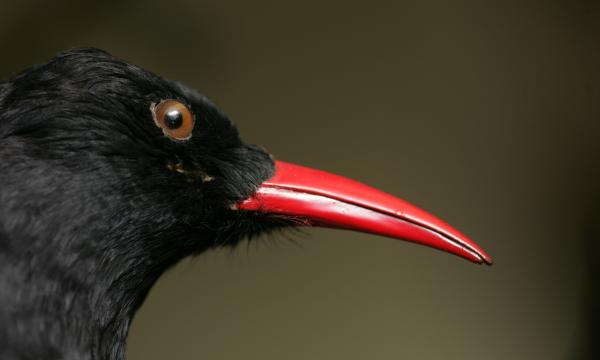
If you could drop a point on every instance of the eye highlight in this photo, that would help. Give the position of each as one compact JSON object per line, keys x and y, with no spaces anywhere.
{"x":174,"y":118}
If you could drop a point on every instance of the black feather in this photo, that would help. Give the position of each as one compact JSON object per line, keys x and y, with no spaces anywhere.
{"x":91,"y":211}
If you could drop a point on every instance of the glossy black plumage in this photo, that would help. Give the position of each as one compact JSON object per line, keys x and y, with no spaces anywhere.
{"x":95,"y":202}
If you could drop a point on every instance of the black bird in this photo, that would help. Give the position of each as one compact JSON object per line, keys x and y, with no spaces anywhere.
{"x":110,"y":174}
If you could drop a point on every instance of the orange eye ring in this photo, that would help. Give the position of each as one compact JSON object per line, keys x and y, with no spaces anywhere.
{"x":174,"y":118}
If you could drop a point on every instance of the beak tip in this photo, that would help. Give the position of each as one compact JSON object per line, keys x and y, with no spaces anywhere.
{"x":485,"y":259}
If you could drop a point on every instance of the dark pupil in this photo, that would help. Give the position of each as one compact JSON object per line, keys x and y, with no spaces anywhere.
{"x":173,"y":119}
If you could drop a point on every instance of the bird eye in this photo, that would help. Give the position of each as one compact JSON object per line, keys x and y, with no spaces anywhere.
{"x":174,"y":118}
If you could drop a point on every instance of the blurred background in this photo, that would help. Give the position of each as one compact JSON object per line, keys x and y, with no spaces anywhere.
{"x":485,"y":113}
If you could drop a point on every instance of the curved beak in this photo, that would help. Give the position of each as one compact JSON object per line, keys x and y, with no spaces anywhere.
{"x":318,"y":198}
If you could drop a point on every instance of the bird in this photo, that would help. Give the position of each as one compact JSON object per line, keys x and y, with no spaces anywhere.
{"x":111,"y":174}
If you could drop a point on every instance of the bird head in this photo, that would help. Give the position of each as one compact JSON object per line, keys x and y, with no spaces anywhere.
{"x":101,"y":139}
{"x":110,"y":174}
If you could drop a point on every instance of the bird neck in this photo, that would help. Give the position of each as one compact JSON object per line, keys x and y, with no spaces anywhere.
{"x":80,"y":310}
{"x":73,"y":269}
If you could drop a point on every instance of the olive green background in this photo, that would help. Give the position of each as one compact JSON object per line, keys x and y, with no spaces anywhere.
{"x":482,"y":112}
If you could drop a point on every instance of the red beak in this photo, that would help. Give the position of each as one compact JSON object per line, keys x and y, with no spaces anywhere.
{"x":317,"y":198}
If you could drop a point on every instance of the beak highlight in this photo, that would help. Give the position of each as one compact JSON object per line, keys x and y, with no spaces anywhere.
{"x":318,"y":198}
